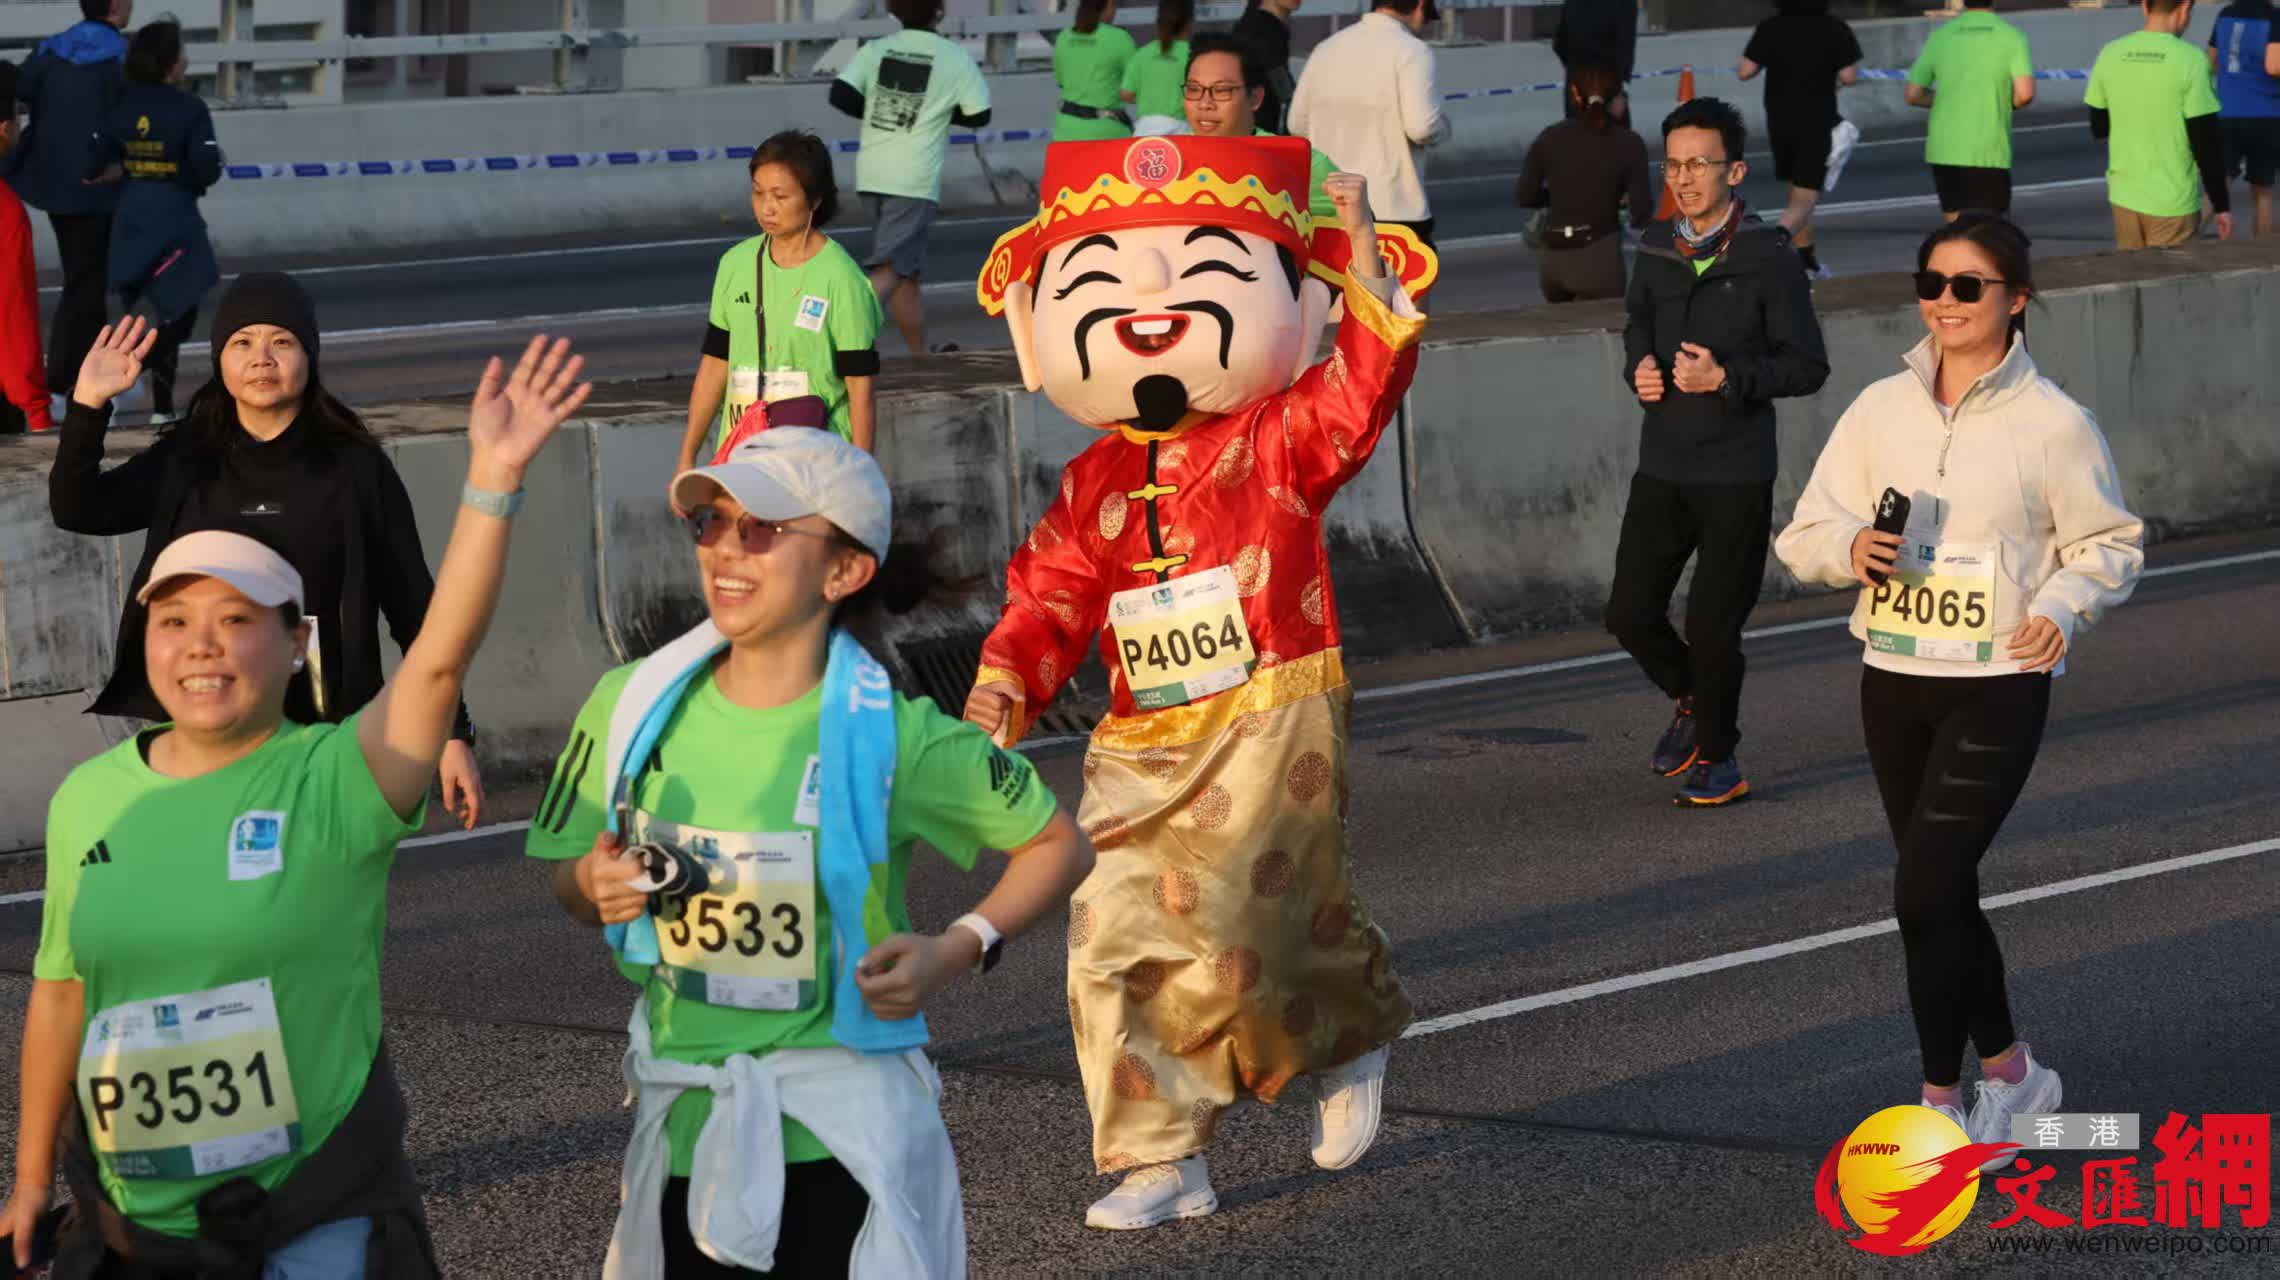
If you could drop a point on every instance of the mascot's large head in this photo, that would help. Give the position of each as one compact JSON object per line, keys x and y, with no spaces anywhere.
{"x":1170,"y":274}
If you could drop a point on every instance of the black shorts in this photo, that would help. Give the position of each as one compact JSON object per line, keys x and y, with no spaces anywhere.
{"x":1801,"y":159}
{"x":2253,"y":144}
{"x":1965,"y":186}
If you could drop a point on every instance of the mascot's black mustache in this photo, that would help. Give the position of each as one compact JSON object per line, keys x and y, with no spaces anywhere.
{"x":1159,"y":401}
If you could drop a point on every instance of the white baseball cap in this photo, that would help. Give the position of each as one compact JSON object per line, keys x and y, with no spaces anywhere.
{"x":259,"y":574}
{"x":787,"y":472}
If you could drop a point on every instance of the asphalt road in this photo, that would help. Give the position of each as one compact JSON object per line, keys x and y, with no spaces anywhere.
{"x":421,"y":325}
{"x":1661,"y":1104}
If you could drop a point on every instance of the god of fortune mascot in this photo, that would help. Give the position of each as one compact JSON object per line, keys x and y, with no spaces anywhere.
{"x":1171,"y":292}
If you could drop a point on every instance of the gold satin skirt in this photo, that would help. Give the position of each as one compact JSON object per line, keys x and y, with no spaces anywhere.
{"x":1218,"y":950}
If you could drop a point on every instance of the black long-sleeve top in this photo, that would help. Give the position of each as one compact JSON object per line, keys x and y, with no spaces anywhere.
{"x":330,"y":503}
{"x":1585,"y":175}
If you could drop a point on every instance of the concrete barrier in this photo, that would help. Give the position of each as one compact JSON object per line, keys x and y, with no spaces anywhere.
{"x":1498,"y":497}
{"x":1519,"y":508}
{"x":334,"y":215}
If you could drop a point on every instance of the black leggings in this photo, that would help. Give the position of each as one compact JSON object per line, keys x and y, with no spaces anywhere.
{"x":824,"y":1209}
{"x":165,"y":354}
{"x":1951,"y":755}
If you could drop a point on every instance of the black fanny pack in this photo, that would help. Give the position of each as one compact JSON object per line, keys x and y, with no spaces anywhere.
{"x":1083,"y":112}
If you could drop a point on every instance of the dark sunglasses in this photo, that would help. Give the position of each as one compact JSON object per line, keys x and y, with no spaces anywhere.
{"x":1968,"y":289}
{"x":705,"y":525}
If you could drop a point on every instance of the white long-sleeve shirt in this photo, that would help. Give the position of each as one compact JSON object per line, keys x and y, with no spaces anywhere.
{"x":1366,"y":99}
{"x":2016,"y":466}
{"x":880,"y":1114}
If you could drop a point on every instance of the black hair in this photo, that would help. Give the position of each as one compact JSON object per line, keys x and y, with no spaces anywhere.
{"x":1978,"y":4}
{"x":1174,"y":18}
{"x":912,"y":575}
{"x":1594,"y":88}
{"x":211,"y":420}
{"x":1246,"y":54}
{"x":1089,"y":14}
{"x":916,"y":15}
{"x":2002,"y":241}
{"x":1402,"y":7}
{"x":95,"y":10}
{"x":1709,"y":113}
{"x":152,"y":53}
{"x":7,"y":91}
{"x":809,"y":159}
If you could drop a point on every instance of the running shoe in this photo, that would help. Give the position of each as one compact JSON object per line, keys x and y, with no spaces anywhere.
{"x":1155,"y":1194}
{"x":1347,"y":1110}
{"x":1952,"y":1113}
{"x":1711,"y":783}
{"x":2037,"y":1094}
{"x":1677,"y":747}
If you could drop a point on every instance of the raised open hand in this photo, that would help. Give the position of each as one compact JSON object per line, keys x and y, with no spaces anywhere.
{"x":114,"y":362}
{"x":515,"y":414}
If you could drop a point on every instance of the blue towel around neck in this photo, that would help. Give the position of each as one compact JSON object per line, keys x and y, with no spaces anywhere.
{"x":857,"y":749}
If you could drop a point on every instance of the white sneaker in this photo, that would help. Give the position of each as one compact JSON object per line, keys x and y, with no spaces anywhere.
{"x":2038,"y":1093}
{"x":1346,"y":1109}
{"x":1952,"y":1113}
{"x":1157,"y":1193}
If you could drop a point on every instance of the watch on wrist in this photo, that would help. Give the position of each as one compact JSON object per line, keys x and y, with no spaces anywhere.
{"x":490,"y":501}
{"x":993,"y":942}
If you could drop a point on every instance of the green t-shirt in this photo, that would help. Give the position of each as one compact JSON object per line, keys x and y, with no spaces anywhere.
{"x":227,"y":932}
{"x":1089,"y":68}
{"x":912,"y":82}
{"x":1701,"y":265}
{"x":728,"y":768}
{"x":1969,"y":63}
{"x":1153,"y":78}
{"x":816,"y":310}
{"x":2150,"y":84}
{"x":1317,"y":200}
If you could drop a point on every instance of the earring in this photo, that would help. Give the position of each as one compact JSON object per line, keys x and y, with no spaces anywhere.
{"x":299,"y":663}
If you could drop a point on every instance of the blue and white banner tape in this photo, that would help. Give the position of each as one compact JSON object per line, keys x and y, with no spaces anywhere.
{"x":844,"y":146}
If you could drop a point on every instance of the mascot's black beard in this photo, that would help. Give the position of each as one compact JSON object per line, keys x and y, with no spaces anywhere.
{"x":1159,"y":401}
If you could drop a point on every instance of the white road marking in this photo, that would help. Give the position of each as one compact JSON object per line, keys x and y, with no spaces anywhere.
{"x":1816,"y":942}
{"x":1388,"y":691}
{"x":1757,"y":633}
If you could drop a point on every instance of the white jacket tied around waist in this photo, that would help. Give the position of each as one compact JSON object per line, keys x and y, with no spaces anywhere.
{"x":2018,"y":464}
{"x":880,"y":1114}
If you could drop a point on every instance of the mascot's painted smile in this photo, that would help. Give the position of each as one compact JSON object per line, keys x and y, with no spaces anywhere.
{"x":1151,"y":335}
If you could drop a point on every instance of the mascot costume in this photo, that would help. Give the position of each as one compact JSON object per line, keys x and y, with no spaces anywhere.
{"x":1170,"y":292}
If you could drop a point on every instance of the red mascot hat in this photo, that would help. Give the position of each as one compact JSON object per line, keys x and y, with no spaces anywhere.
{"x":1243,"y":184}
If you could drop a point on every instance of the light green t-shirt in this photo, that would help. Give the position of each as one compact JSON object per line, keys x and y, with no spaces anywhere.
{"x":227,"y":933}
{"x":1089,"y":68}
{"x":740,"y":769}
{"x":1969,"y":63}
{"x":1153,"y":78}
{"x":816,"y":310}
{"x":2150,"y":84}
{"x":1317,"y":200}
{"x":1701,"y":265}
{"x":912,"y":82}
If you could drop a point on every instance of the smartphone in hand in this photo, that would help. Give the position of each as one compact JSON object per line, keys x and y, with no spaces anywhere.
{"x":1891,"y":517}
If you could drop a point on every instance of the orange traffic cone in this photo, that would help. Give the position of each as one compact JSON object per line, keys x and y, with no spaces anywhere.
{"x":1667,"y":208}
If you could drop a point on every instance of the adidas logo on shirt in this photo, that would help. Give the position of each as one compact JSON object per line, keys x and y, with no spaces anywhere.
{"x":744,"y":299}
{"x":99,"y":854}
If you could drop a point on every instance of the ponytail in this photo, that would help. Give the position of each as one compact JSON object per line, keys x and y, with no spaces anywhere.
{"x":1089,"y":14}
{"x":1174,"y":19}
{"x":912,"y":575}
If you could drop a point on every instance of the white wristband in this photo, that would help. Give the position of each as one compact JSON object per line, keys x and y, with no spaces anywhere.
{"x":982,"y":929}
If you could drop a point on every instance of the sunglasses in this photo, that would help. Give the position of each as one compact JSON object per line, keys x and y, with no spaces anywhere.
{"x":1968,"y":289}
{"x":706,"y":524}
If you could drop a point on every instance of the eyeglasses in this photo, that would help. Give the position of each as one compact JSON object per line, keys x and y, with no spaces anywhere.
{"x":705,"y":525}
{"x":1221,"y":92}
{"x":1696,"y":168}
{"x":1968,"y":289}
